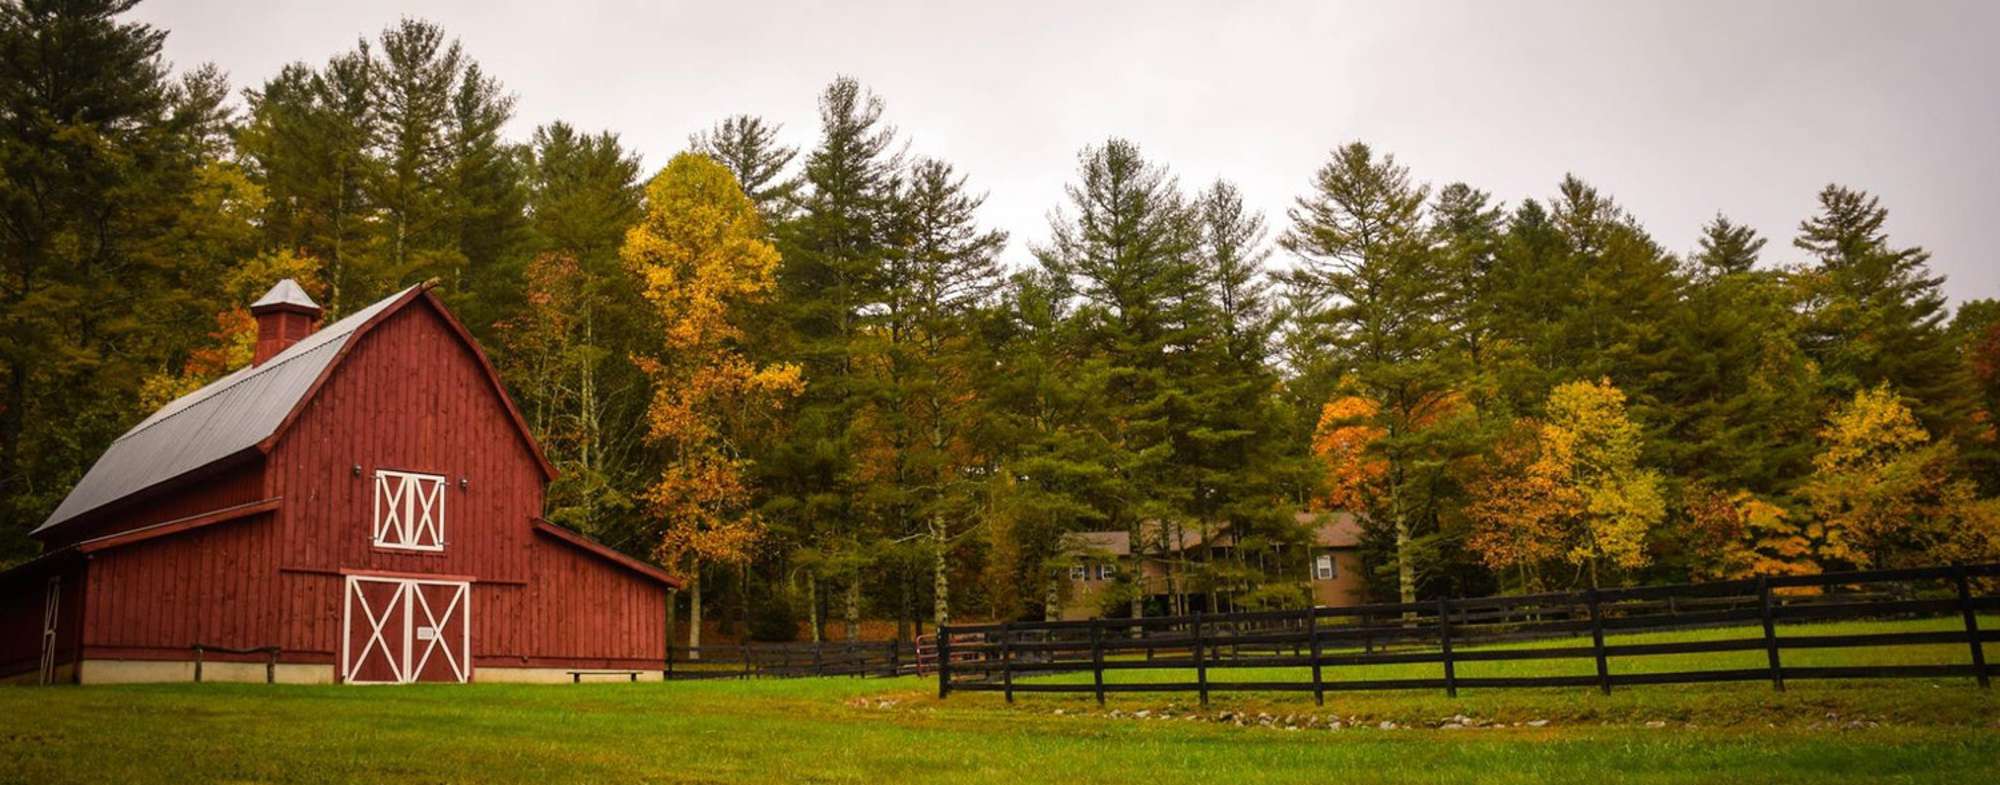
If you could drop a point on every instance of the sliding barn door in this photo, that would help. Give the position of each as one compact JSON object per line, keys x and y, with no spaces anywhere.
{"x":401,"y":630}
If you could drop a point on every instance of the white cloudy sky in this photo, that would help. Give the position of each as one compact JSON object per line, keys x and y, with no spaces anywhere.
{"x":1678,"y":109}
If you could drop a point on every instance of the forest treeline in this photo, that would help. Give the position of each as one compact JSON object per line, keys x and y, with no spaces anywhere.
{"x":805,"y":378}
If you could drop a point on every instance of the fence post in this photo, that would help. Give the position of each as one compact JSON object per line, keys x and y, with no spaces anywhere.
{"x":1312,"y":635}
{"x":197,"y":663}
{"x":1770,"y":632}
{"x":271,"y":667}
{"x":819,"y":658}
{"x":1971,"y":625}
{"x":1097,"y":658}
{"x":942,"y":651}
{"x":1200,"y":660}
{"x":1007,"y":660}
{"x":668,"y":674}
{"x":1597,"y":644}
{"x":1444,"y":642}
{"x":746,"y":660}
{"x":895,"y":658}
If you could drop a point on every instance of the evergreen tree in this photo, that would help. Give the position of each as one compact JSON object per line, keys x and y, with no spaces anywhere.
{"x":1125,"y":248}
{"x":946,"y":272}
{"x":1361,"y":238}
{"x":831,"y":286}
{"x":104,"y":156}
{"x":1237,"y":455}
{"x":1877,"y":313}
{"x":749,"y":148}
{"x":1727,"y":247}
{"x":307,"y":144}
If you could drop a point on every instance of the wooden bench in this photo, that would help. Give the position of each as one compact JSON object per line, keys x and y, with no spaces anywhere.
{"x":576,"y":677}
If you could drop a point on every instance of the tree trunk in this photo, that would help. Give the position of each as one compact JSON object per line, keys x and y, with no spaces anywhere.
{"x":812,"y":606}
{"x":1052,"y":599}
{"x":907,"y":607}
{"x":940,"y":573}
{"x":854,"y":609}
{"x":694,"y":614}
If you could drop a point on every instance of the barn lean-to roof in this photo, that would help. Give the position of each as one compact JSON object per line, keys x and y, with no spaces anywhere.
{"x":245,"y":411}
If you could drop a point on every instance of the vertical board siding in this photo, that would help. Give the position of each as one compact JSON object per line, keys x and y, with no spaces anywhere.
{"x":410,"y":396}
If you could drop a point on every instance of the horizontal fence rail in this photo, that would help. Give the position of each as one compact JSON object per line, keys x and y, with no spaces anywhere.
{"x":1317,"y":642}
{"x":792,"y":660}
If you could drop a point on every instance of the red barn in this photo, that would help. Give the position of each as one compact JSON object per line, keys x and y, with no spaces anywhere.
{"x":362,"y":501}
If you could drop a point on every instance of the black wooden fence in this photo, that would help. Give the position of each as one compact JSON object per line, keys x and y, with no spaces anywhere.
{"x":790,"y":660}
{"x":1447,"y":632}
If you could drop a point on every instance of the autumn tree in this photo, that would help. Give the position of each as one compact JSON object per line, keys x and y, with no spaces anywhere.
{"x":700,"y":256}
{"x":1883,"y":494}
{"x":1578,"y":494}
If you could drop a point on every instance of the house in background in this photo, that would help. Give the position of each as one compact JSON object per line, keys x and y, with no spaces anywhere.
{"x":361,"y":505}
{"x":1099,"y":558}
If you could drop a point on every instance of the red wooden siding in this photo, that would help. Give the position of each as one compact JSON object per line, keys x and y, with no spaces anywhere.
{"x":584,"y":611}
{"x":215,"y":586}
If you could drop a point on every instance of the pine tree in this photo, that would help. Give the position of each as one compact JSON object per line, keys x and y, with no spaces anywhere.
{"x":749,"y":148}
{"x":1125,"y":247}
{"x":103,"y":156}
{"x":1235,"y":453}
{"x":1727,"y":247}
{"x":1877,"y":313}
{"x":831,"y":287}
{"x":307,"y":143}
{"x":946,"y":272}
{"x":1361,"y":239}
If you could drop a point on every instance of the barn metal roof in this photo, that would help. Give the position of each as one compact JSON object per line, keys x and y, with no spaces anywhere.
{"x":225,"y":418}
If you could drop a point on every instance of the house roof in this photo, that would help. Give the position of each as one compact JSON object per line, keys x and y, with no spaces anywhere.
{"x":243,"y":412}
{"x":1114,"y":543}
{"x":1337,"y":529}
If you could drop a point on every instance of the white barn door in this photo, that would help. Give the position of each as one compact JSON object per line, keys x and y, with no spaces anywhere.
{"x":403,"y":630}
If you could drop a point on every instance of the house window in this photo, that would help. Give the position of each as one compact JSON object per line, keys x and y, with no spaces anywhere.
{"x":1106,"y":572}
{"x":1323,"y":567}
{"x":1079,"y":573}
{"x":409,"y":511}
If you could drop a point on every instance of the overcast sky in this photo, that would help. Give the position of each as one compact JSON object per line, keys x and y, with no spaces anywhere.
{"x":1678,"y":110}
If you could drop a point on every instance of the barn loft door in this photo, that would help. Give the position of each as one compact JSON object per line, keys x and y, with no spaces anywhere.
{"x":401,"y":630}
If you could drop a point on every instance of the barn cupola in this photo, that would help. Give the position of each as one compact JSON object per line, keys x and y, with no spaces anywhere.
{"x":284,"y":315}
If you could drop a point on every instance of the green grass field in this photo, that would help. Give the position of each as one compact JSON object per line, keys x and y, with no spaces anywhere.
{"x":895,"y":730}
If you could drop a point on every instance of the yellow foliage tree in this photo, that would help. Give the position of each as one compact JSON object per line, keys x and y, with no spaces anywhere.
{"x":1883,"y":494}
{"x":1582,"y":497}
{"x":700,"y":256}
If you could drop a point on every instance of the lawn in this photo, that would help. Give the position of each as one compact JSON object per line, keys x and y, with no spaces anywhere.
{"x":896,"y":731}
